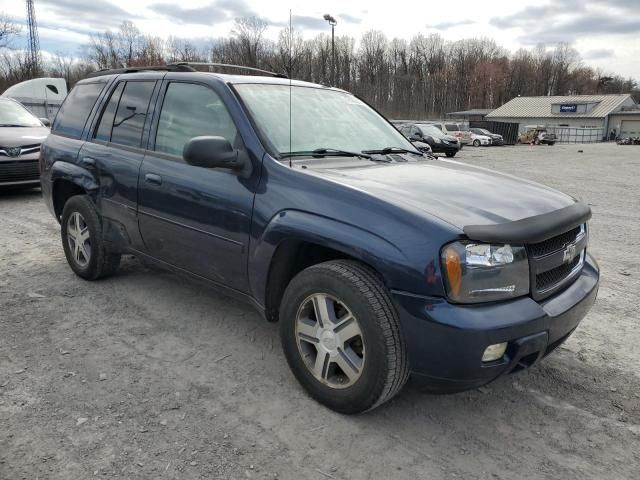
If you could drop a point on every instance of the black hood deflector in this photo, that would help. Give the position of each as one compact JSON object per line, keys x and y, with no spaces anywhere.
{"x":532,"y":229}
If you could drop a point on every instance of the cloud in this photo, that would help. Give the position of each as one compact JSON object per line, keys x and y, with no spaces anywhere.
{"x":598,"y":54}
{"x":448,"y":25}
{"x":97,"y":12}
{"x":572,"y":20}
{"x":349,"y":18}
{"x":207,"y":15}
{"x":218,"y":11}
{"x":308,"y":22}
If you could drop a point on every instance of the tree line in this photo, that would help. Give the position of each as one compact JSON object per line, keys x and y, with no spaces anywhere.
{"x":425,"y":76}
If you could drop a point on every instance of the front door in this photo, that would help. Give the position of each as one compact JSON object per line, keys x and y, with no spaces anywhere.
{"x":194,"y":218}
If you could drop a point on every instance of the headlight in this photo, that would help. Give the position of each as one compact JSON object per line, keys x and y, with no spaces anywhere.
{"x":480,"y":272}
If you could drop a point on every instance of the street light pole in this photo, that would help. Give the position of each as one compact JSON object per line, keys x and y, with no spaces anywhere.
{"x":333,"y":22}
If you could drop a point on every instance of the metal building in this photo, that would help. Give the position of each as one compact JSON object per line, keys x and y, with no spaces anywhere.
{"x":574,"y":118}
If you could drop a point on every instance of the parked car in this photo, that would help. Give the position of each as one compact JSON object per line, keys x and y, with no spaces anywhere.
{"x":537,"y":135}
{"x":20,"y":137}
{"x":495,"y":138}
{"x":430,"y":134}
{"x":455,"y":130}
{"x":478,"y":140}
{"x":376,"y":260}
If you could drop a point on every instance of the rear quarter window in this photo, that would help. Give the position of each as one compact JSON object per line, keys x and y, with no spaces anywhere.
{"x":76,"y":108}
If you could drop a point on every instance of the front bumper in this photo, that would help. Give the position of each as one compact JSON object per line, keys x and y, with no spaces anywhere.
{"x":445,"y":341}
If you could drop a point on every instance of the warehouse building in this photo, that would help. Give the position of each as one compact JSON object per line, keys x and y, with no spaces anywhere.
{"x":574,"y":118}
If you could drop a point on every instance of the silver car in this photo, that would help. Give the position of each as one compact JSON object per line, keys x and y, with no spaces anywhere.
{"x":21,"y":134}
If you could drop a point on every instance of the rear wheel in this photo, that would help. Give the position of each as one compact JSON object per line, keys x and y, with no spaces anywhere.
{"x":341,"y":337}
{"x":81,"y":231}
{"x":476,"y":143}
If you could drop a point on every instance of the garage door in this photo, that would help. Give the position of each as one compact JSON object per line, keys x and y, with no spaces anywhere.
{"x":630,"y":128}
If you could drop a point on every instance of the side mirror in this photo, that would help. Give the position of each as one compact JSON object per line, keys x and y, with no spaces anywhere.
{"x":212,"y":152}
{"x":45,"y":121}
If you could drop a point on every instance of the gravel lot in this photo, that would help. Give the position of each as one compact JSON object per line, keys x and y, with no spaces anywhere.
{"x":148,"y":375}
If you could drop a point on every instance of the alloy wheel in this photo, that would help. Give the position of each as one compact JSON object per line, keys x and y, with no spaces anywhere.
{"x":79,"y":239}
{"x":330,"y":341}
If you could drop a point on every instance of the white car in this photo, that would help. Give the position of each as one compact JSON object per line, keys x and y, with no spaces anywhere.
{"x":477,"y":140}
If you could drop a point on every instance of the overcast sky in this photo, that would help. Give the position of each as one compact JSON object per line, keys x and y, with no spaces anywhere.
{"x":607,"y":34}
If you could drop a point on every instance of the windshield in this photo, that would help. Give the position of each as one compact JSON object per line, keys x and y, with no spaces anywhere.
{"x":13,"y":114}
{"x":431,"y":130}
{"x":320,"y":119}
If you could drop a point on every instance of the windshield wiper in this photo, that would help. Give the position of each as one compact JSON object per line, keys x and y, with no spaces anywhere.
{"x":322,"y":152}
{"x":388,"y":150}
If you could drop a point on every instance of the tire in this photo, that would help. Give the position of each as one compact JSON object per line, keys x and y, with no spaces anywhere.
{"x":80,"y":221}
{"x":382,"y":368}
{"x":450,"y":154}
{"x":476,"y":143}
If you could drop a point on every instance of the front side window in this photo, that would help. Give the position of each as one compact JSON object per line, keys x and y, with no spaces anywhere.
{"x":132,"y":113}
{"x":320,"y":118}
{"x":188,"y":111}
{"x":12,"y":114}
{"x":431,"y":130}
{"x":76,"y":108}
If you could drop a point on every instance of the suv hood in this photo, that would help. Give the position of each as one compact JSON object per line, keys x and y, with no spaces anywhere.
{"x":19,"y":136}
{"x":459,"y":194}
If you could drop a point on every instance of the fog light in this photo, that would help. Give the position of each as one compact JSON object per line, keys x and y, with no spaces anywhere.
{"x":494,"y":352}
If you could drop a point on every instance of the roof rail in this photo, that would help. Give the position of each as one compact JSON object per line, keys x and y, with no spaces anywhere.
{"x":167,"y":68}
{"x":226,"y":65}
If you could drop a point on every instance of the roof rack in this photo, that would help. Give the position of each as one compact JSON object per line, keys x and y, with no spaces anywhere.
{"x":178,"y":67}
{"x":225,"y":65}
{"x":166,"y":68}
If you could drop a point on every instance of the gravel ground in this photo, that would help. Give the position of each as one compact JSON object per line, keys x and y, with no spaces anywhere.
{"x":148,"y":375}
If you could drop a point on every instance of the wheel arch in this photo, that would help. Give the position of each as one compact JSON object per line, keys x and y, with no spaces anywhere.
{"x":295,"y":240}
{"x":68,"y":180}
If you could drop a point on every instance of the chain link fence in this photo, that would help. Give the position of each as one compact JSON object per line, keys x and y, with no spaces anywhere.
{"x":577,"y":135}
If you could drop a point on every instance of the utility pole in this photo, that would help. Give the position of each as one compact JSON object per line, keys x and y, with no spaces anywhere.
{"x":33,"y":66}
{"x":333,"y":22}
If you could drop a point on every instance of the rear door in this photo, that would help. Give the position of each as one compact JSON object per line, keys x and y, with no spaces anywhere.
{"x":114,"y":152}
{"x":194,"y":218}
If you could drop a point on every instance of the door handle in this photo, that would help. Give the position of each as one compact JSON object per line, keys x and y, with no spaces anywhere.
{"x":153,"y":179}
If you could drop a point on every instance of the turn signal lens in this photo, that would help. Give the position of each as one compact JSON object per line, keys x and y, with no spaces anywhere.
{"x":454,"y":270}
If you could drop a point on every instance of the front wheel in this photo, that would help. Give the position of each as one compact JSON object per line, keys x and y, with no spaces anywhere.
{"x":84,"y":247}
{"x":450,"y":154}
{"x":341,"y":336}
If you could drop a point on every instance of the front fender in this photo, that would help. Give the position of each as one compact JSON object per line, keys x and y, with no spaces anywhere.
{"x":353,"y":241}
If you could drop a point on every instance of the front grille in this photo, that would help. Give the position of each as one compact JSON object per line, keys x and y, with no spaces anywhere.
{"x":19,"y":171}
{"x":21,"y":150}
{"x":554,"y":262}
{"x":554,"y":276}
{"x":553,"y":244}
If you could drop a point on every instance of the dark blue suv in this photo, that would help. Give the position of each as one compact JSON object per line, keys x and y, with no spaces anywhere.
{"x":302,"y":200}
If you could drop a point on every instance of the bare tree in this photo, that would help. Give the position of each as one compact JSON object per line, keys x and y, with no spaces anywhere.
{"x":8,"y":30}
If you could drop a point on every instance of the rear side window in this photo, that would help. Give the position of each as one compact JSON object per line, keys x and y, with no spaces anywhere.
{"x":452,"y":127}
{"x":207,"y":115}
{"x":103,"y":132}
{"x":131,"y":113}
{"x":76,"y":108}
